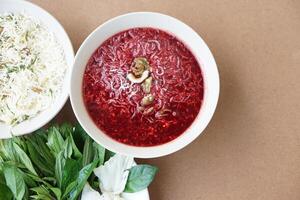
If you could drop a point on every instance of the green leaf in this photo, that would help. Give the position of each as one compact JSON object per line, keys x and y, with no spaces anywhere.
{"x":41,"y":133}
{"x":108,"y":155}
{"x":50,"y":180}
{"x":88,"y":152}
{"x":16,"y":164}
{"x":69,"y":188}
{"x":70,"y":172}
{"x":55,"y":141}
{"x":3,"y":151}
{"x":40,"y":138}
{"x":40,"y":141}
{"x":24,"y":158}
{"x":66,"y":129}
{"x":68,"y":149}
{"x":99,"y":153}
{"x":14,"y":181}
{"x":7,"y":150}
{"x":82,"y":178}
{"x":95,"y":185}
{"x":42,"y":191}
{"x":140,"y":177}
{"x":26,"y":195}
{"x":5,"y":192}
{"x":20,"y":142}
{"x":79,"y":136}
{"x":39,"y":160}
{"x":57,"y":192}
{"x":2,"y":178}
{"x":40,"y":197}
{"x":39,"y":190}
{"x":76,"y":152}
{"x":28,"y":179}
{"x":40,"y":153}
{"x":59,"y":166}
{"x":39,"y":180}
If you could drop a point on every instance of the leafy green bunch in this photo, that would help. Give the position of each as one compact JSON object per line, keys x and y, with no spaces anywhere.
{"x":56,"y":164}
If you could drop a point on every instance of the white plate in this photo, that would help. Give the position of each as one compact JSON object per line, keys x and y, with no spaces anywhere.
{"x":18,"y":6}
{"x":142,"y":195}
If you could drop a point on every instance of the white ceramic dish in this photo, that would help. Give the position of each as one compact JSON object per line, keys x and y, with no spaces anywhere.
{"x":184,"y":33}
{"x":28,"y":126}
{"x":142,"y":195}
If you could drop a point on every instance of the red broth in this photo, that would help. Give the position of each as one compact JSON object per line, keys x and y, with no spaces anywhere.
{"x":115,"y":103}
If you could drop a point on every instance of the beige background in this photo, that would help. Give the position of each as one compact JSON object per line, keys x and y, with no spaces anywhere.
{"x":251,"y":149}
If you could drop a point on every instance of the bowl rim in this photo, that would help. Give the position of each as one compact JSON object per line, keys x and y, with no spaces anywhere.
{"x":135,"y":151}
{"x":27,"y":127}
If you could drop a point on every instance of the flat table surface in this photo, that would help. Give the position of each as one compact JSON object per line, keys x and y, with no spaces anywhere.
{"x":251,"y":148}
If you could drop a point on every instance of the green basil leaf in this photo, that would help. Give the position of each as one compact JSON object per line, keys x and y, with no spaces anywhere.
{"x":59,"y":166}
{"x":99,"y":153}
{"x":95,"y":185}
{"x":2,"y":179}
{"x":108,"y":155}
{"x":38,"y":160}
{"x":44,"y":150}
{"x":42,"y":190}
{"x":55,"y":141}
{"x":79,"y":136}
{"x":82,"y":178}
{"x":76,"y":152}
{"x":57,"y":192}
{"x":5,"y":192}
{"x":88,"y":152}
{"x":1,"y":160}
{"x":66,"y":129}
{"x":69,"y":188}
{"x":39,"y":180}
{"x":50,"y":180}
{"x":139,"y":178}
{"x":28,"y":180}
{"x":7,"y":150}
{"x":40,"y":197}
{"x":24,"y":158}
{"x":40,"y":153}
{"x":39,"y":190}
{"x":26,"y":195}
{"x":41,"y":133}
{"x":16,"y":164}
{"x":68,"y":149}
{"x":20,"y":142}
{"x":3,"y":151}
{"x":14,"y":181}
{"x":70,"y":172}
{"x":40,"y":139}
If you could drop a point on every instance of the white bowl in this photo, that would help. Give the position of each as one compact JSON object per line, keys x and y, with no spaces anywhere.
{"x":185,"y":34}
{"x":28,"y":126}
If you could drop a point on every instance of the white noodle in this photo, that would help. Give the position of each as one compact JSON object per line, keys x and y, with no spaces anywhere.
{"x":32,"y":68}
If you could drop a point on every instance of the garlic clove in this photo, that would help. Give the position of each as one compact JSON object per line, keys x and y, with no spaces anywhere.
{"x":147,"y":100}
{"x":134,"y":79}
{"x":146,"y":85}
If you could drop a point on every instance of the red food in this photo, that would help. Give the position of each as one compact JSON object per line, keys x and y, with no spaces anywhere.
{"x":114,"y":102}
